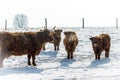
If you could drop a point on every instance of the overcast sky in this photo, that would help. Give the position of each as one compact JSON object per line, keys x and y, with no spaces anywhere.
{"x":61,"y":12}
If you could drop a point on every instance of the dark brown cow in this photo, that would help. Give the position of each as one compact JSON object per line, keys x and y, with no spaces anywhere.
{"x":70,"y":42}
{"x":56,"y":39}
{"x":18,"y":44}
{"x":100,"y":43}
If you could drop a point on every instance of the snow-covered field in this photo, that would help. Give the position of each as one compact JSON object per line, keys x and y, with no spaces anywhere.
{"x":53,"y":65}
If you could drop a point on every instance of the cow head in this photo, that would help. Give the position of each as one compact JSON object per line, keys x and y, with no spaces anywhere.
{"x":96,"y":43}
{"x":69,"y":33}
{"x":70,"y":36}
{"x":48,"y":35}
{"x":57,"y":34}
{"x":45,"y":35}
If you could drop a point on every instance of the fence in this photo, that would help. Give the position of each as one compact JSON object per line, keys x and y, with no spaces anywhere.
{"x":84,"y":22}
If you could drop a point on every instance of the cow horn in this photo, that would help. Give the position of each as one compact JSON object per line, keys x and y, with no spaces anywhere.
{"x":54,"y":28}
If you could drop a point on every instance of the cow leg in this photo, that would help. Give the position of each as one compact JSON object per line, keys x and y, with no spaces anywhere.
{"x":96,"y":56}
{"x":72,"y":55}
{"x":29,"y":57}
{"x":54,"y":47}
{"x":107,"y":52}
{"x":43,"y":46}
{"x":68,"y":56}
{"x":33,"y":60}
{"x":99,"y":56}
{"x":57,"y":47}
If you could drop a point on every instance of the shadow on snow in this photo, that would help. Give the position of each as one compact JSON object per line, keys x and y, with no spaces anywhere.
{"x":66,"y":62}
{"x":20,"y":70}
{"x":97,"y":63}
{"x":49,"y":53}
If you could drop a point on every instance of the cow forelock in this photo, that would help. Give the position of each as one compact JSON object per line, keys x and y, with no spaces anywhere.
{"x":96,"y":47}
{"x":71,"y":37}
{"x":57,"y":37}
{"x":94,"y":44}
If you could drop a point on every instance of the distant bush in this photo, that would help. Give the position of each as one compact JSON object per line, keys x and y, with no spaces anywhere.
{"x":20,"y":21}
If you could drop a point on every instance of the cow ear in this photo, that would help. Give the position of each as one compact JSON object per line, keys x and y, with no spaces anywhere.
{"x":74,"y":33}
{"x":91,"y":38}
{"x":65,"y":33}
{"x":99,"y":40}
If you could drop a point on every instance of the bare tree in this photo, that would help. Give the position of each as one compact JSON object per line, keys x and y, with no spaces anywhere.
{"x":20,"y":21}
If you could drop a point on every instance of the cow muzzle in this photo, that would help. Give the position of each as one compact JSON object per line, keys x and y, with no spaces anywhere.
{"x":96,"y":48}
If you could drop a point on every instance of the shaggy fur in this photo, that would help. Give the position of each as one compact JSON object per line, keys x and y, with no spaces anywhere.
{"x":70,"y":42}
{"x":18,"y":44}
{"x":100,"y":43}
{"x":56,"y":39}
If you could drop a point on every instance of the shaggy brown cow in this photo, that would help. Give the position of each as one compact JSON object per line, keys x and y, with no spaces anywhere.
{"x":100,"y":43}
{"x":56,"y":39}
{"x":70,"y":42}
{"x":18,"y":44}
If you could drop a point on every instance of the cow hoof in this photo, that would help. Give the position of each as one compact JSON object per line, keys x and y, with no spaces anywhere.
{"x":29,"y":64}
{"x":106,"y":56}
{"x":71,"y":57}
{"x":34,"y":64}
{"x":68,"y":58}
{"x":98,"y":58}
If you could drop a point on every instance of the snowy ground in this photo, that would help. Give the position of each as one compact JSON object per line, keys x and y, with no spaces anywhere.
{"x":53,"y":65}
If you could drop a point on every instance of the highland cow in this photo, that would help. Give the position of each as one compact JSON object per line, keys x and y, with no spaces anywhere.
{"x":56,"y":39}
{"x":70,"y":42}
{"x":100,"y":43}
{"x":21,"y":43}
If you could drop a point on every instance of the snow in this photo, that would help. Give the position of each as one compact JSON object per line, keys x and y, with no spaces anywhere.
{"x":53,"y":65}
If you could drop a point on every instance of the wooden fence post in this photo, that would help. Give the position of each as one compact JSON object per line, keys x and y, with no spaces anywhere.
{"x":45,"y":23}
{"x":116,"y":23}
{"x":5,"y":24}
{"x":83,"y":23}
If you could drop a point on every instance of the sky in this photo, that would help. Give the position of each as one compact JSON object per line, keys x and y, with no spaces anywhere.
{"x":62,"y":13}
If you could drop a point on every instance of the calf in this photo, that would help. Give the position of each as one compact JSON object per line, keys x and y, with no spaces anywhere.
{"x":70,"y":42}
{"x":56,"y":39}
{"x":19,"y":43}
{"x":100,"y":43}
